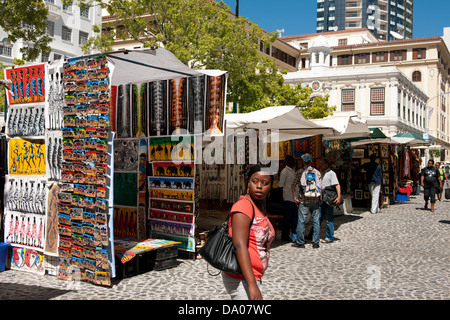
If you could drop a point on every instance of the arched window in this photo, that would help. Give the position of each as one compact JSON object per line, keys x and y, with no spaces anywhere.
{"x":417,"y":76}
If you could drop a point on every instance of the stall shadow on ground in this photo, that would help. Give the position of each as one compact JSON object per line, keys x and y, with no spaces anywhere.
{"x":18,"y":291}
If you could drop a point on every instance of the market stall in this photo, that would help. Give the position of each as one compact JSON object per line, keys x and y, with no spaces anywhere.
{"x":386,"y":151}
{"x":102,"y":148}
{"x":409,"y":164}
{"x":338,"y":150}
{"x":248,"y":140}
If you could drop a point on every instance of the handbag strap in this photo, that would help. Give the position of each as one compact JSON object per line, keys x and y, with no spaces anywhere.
{"x":225,"y":224}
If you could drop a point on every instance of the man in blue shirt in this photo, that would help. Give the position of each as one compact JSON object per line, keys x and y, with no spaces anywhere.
{"x":374,"y":178}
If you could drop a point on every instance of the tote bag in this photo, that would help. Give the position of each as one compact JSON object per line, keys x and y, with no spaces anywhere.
{"x":219,"y":251}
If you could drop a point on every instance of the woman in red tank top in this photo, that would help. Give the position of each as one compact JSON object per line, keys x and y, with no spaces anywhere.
{"x":251,"y":240}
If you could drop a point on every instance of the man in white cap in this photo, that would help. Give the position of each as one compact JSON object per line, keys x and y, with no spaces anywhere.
{"x":310,"y":186}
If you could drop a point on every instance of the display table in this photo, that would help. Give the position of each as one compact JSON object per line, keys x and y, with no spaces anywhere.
{"x":135,"y":257}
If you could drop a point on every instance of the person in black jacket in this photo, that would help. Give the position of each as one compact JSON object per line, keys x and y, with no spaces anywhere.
{"x":430,"y":180}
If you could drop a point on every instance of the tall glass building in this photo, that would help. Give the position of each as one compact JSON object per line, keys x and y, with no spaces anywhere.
{"x":387,"y":19}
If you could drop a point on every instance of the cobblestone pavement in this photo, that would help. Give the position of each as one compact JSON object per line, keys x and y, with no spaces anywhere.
{"x":400,"y":253}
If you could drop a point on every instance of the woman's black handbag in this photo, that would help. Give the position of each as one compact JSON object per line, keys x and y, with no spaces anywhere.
{"x":219,"y":251}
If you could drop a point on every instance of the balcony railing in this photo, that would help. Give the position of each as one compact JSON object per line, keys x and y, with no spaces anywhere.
{"x":53,"y":9}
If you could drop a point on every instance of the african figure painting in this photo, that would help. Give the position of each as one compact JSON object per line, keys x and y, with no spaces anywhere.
{"x":27,"y":84}
{"x":26,"y":157}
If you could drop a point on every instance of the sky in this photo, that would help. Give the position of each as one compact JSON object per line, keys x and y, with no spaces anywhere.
{"x":299,"y":16}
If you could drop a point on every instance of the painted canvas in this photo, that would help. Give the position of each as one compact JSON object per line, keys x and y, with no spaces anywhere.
{"x":157,"y":108}
{"x":52,"y":233}
{"x":28,"y":260}
{"x":196,"y":103}
{"x":26,"y":157}
{"x":125,"y":222}
{"x":126,"y":157}
{"x":178,"y":115}
{"x":27,"y":84}
{"x":215,"y":104}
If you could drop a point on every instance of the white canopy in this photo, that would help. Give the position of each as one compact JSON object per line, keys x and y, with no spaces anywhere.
{"x":287,"y":119}
{"x":371,"y":141}
{"x":346,"y":126}
{"x":409,"y":141}
{"x":432,"y":147}
{"x":146,"y":65}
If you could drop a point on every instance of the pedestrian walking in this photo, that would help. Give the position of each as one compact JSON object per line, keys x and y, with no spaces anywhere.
{"x":330,"y":183}
{"x":443,"y":177}
{"x":430,"y":182}
{"x":374,"y":178}
{"x":290,"y":216}
{"x":308,"y":181}
{"x":251,"y":239}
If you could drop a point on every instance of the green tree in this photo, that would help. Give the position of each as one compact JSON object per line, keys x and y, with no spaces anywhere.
{"x":201,"y":34}
{"x":315,"y":107}
{"x":26,"y":20}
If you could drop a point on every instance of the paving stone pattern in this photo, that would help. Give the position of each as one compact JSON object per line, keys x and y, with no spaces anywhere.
{"x":401,"y":253}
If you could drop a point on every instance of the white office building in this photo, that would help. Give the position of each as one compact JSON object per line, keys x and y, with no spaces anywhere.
{"x":69,"y":27}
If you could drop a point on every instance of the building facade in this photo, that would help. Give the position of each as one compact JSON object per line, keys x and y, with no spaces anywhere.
{"x":285,"y":55}
{"x":386,"y":19}
{"x":398,"y":86}
{"x":69,"y":27}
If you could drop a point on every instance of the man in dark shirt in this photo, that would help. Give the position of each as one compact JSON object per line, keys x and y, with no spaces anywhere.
{"x":430,"y":181}
{"x":374,"y":178}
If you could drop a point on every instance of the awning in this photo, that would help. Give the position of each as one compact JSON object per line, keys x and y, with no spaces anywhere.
{"x":289,"y":121}
{"x":146,"y":65}
{"x":428,"y":147}
{"x":409,"y":138}
{"x":372,"y":141}
{"x":375,"y":136}
{"x":347,"y":127}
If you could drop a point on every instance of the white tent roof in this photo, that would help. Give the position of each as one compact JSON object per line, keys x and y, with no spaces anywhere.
{"x":287,"y":119}
{"x":346,"y":126}
{"x":409,"y":141}
{"x":371,"y":141}
{"x":137,"y":66}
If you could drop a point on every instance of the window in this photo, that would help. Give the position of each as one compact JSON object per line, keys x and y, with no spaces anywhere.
{"x":50,"y":29}
{"x":304,"y":45}
{"x":362,"y":58}
{"x":417,"y":76}
{"x":66,"y":34}
{"x":5,"y":50}
{"x":398,"y":55}
{"x":45,"y":57}
{"x":84,"y":13}
{"x":67,"y":8}
{"x":342,"y":42}
{"x":345,"y":60}
{"x":379,"y":56}
{"x":83,"y":37}
{"x":420,"y":53}
{"x":377,"y":101}
{"x":348,"y":100}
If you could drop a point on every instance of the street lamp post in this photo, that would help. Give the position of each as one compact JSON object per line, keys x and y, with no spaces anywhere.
{"x":235,"y":105}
